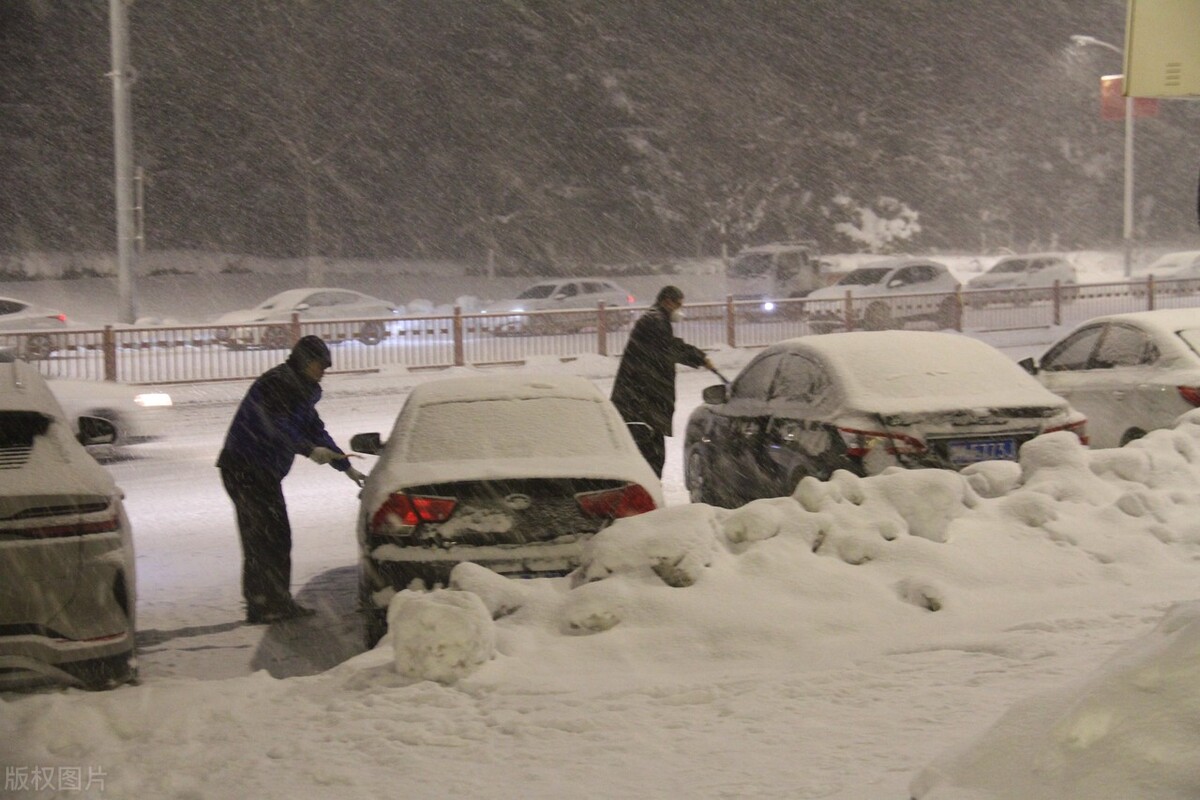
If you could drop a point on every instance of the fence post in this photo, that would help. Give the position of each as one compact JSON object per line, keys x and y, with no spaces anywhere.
{"x":848,"y":311}
{"x":959,"y":307}
{"x":601,"y":329}
{"x":1057,"y":295}
{"x":730,"y":322}
{"x":1150,"y":293}
{"x":295,"y":328}
{"x":459,"y":358}
{"x":109,"y":345}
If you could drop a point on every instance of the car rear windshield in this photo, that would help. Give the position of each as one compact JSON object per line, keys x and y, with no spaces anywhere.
{"x":537,"y":292}
{"x":510,"y":428}
{"x":864,"y":277}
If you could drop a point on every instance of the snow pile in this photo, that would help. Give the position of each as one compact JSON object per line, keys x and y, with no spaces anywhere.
{"x":442,"y":635}
{"x":1130,"y":730}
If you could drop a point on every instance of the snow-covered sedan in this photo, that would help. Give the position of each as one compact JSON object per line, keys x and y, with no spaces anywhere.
{"x":1129,"y":373}
{"x":512,"y":472}
{"x":863,"y":401}
{"x":888,"y":293}
{"x":67,"y":589}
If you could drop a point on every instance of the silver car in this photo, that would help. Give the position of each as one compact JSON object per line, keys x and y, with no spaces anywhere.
{"x":67,"y":585}
{"x":37,"y":325}
{"x":1129,"y":373}
{"x":583,"y":294}
{"x":888,"y":293}
{"x":1023,"y":279}
{"x":267,"y":324}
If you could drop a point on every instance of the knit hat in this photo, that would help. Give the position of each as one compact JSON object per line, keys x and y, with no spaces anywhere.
{"x":311,"y":348}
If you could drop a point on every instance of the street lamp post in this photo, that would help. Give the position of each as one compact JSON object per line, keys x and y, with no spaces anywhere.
{"x":1127,"y":232}
{"x":123,"y":158}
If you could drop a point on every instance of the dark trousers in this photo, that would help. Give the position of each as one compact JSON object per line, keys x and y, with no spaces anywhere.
{"x":266,"y":538}
{"x":652,"y":444}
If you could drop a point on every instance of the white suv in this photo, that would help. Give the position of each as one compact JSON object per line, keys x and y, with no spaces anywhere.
{"x":889,"y":293}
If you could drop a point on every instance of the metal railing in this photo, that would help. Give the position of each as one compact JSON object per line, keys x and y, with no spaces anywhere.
{"x":197,"y":353}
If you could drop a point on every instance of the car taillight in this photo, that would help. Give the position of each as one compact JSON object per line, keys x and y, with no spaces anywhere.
{"x":62,"y":530}
{"x":630,"y":299}
{"x":60,"y":317}
{"x":401,"y":512}
{"x":625,"y":501}
{"x":859,"y":443}
{"x":1190,"y":393}
{"x":1078,"y":428}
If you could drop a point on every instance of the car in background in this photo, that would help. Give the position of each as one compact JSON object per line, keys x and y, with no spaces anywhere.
{"x":138,"y":414}
{"x":1023,"y":279}
{"x":367,"y":318}
{"x":863,"y":401}
{"x":585,"y":294}
{"x":67,"y":578}
{"x":764,"y":275}
{"x":39,"y":328}
{"x":1181,"y":265}
{"x":512,"y":472}
{"x":888,"y":293}
{"x":1129,"y":373}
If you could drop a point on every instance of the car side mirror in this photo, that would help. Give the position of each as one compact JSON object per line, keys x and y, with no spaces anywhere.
{"x":301,"y":307}
{"x":716,"y":395}
{"x":369,"y":443}
{"x":895,"y":282}
{"x":1029,"y":365}
{"x":94,"y":430}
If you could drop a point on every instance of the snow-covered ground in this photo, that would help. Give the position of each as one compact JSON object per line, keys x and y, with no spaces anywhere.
{"x":829,"y":645}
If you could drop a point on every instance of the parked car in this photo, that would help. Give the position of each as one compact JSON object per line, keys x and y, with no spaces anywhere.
{"x":1023,"y":279}
{"x":38,"y":325}
{"x":863,"y":401}
{"x":1129,"y":373}
{"x":512,"y":316}
{"x":367,"y":318}
{"x":1181,"y":265}
{"x":882,"y":296}
{"x":67,"y":585}
{"x":510,"y":472}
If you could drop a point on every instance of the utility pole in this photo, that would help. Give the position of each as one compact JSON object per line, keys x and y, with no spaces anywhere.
{"x":122,"y":77}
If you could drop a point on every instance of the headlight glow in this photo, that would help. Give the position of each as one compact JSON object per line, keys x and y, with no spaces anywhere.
{"x":153,"y":399}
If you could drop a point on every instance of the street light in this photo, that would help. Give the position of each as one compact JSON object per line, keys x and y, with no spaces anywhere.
{"x":1083,"y":41}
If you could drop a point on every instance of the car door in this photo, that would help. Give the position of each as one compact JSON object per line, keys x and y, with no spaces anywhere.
{"x":1106,"y":372}
{"x":737,"y":430}
{"x":801,"y":436}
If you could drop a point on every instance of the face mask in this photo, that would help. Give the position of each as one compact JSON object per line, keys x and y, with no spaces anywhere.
{"x":677,"y":315}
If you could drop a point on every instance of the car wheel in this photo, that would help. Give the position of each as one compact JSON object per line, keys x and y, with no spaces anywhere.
{"x":372,"y":333}
{"x":878,"y":317}
{"x":38,"y":346}
{"x":374,"y":619}
{"x":1131,"y":435}
{"x":276,"y":338}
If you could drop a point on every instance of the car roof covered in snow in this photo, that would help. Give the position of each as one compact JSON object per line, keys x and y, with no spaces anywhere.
{"x":916,"y":371}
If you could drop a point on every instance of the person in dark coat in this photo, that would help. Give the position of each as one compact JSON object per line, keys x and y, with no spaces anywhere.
{"x":644,"y":391}
{"x":276,"y":421}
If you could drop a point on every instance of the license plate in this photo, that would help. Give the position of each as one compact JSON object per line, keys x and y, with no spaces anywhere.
{"x":963,"y":453}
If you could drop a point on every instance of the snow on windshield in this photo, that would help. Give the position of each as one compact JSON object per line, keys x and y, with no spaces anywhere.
{"x":510,"y":428}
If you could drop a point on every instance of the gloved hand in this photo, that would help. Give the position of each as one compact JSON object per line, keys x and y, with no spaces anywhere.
{"x":323,"y":455}
{"x":356,"y":476}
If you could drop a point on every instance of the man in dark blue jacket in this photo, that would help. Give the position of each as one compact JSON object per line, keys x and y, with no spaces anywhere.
{"x":276,"y":421}
{"x":644,"y":389}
